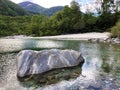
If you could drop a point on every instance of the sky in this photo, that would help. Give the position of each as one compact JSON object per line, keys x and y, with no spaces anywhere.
{"x":47,"y":3}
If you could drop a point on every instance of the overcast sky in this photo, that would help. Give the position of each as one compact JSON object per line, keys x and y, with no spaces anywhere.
{"x":47,"y":3}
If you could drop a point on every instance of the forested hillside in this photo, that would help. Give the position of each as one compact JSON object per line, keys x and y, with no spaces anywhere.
{"x":35,"y":8}
{"x":9,"y":8}
{"x":67,"y":21}
{"x":52,"y":10}
{"x":14,"y":25}
{"x":31,"y":7}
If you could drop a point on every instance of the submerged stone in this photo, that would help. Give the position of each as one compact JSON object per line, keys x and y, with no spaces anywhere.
{"x":37,"y":62}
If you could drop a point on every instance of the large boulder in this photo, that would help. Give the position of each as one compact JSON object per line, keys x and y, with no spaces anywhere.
{"x":37,"y":62}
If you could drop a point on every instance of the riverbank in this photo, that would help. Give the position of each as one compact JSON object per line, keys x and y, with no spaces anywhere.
{"x":81,"y":36}
{"x":92,"y":37}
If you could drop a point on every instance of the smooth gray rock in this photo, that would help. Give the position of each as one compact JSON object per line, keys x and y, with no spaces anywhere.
{"x":38,"y":62}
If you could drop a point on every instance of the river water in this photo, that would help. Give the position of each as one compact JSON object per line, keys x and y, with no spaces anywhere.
{"x":100,"y":71}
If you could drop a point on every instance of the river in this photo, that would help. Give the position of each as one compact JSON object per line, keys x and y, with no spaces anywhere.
{"x":100,"y":71}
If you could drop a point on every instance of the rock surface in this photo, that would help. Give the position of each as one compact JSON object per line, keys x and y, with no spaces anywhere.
{"x":37,"y":62}
{"x":107,"y":40}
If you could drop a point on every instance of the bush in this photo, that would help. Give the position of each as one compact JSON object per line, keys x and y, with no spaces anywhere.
{"x":115,"y":30}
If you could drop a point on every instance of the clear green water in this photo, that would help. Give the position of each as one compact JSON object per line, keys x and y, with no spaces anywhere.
{"x":101,"y":70}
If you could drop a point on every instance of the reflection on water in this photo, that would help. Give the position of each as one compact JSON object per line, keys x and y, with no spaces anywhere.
{"x":52,"y":77}
{"x":101,"y":70}
{"x":93,"y":60}
{"x":9,"y":45}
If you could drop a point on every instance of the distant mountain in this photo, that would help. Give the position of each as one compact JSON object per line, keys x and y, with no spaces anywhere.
{"x":52,"y":10}
{"x":11,"y":9}
{"x":35,"y":8}
{"x":31,"y":7}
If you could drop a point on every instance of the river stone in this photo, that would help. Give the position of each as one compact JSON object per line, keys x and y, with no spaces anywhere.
{"x":37,"y":62}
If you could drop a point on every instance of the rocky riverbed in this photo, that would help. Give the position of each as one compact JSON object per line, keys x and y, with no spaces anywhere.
{"x":107,"y":40}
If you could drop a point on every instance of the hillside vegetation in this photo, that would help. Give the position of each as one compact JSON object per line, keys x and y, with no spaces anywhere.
{"x":115,"y":30}
{"x":9,"y":8}
{"x":35,"y":8}
{"x":31,"y":7}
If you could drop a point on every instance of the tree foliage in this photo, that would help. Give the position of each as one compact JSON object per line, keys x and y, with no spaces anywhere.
{"x":9,"y":8}
{"x":115,"y":30}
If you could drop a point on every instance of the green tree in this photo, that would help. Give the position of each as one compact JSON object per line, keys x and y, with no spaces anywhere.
{"x":35,"y":25}
{"x":115,"y":30}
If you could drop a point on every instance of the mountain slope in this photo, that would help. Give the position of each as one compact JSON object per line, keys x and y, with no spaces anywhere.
{"x":35,"y":8}
{"x":11,"y":9}
{"x":52,"y":10}
{"x":31,"y":7}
